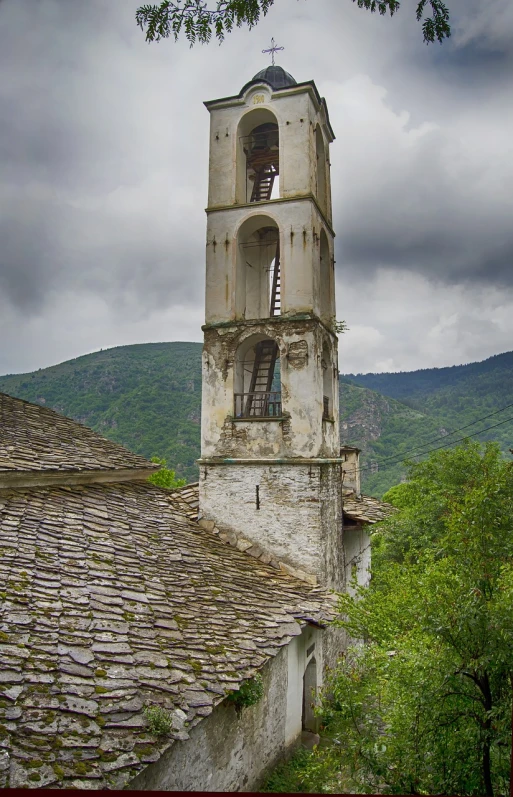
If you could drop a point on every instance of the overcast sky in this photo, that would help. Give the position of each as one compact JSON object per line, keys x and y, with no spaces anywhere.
{"x":103,"y":176}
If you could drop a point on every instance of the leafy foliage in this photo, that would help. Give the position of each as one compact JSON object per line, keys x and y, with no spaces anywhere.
{"x":160,"y":721}
{"x":196,"y":20}
{"x":338,"y":327}
{"x":250,"y":693}
{"x":309,"y":772}
{"x":165,"y":477}
{"x":424,"y":706}
{"x":199,"y":23}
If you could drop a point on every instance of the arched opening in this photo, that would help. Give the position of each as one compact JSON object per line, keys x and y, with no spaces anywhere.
{"x":257,"y":379}
{"x":310,"y":722}
{"x":320,"y":154}
{"x":258,"y":278}
{"x":258,"y":157}
{"x":325,"y":279}
{"x":327,"y":383}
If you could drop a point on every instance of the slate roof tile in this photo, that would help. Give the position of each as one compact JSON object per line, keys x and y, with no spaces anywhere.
{"x":114,"y":601}
{"x":365,"y":509}
{"x":37,"y":439}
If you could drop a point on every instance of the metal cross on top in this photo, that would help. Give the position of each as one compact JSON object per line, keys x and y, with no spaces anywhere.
{"x":273,"y":49}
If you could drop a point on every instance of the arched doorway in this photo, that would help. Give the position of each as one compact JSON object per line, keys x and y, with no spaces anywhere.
{"x":258,"y":275}
{"x":325,"y":298}
{"x":327,"y":383}
{"x":320,"y":154}
{"x":309,"y":720}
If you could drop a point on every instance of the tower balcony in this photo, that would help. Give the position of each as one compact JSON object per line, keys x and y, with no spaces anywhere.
{"x":258,"y":405}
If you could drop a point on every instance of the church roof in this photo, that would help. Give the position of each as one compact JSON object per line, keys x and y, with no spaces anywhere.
{"x":188,"y":499}
{"x":364,"y":509}
{"x":115,"y":601}
{"x":36,"y":441}
{"x":276,"y":77}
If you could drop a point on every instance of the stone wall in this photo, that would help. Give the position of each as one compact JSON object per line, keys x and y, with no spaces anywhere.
{"x":295,"y":516}
{"x":233,"y":750}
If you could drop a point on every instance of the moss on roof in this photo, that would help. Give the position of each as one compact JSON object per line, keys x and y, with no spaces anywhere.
{"x":113,"y":601}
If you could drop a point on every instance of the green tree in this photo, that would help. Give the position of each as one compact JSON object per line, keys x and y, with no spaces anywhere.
{"x":198,"y":22}
{"x":424,"y":704}
{"x":165,"y":477}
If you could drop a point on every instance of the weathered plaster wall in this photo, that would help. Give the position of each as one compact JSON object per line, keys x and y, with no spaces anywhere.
{"x":231,"y":751}
{"x":331,"y":532}
{"x":299,"y":516}
{"x":357,"y":555}
{"x":304,"y":433}
{"x":351,"y":468}
{"x":297,"y":114}
{"x":299,"y":223}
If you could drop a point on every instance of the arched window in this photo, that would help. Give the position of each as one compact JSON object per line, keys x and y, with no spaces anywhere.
{"x":258,"y":157}
{"x":258,"y":275}
{"x":327,"y":383}
{"x":325,"y":279}
{"x":257,"y":379}
{"x":320,"y":154}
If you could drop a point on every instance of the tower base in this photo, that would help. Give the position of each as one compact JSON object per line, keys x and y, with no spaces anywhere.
{"x":290,"y":508}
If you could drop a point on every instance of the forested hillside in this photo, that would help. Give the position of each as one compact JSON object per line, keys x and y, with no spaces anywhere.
{"x":455,"y":397}
{"x":148,"y":397}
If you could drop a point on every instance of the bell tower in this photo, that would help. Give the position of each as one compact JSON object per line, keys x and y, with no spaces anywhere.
{"x":270,"y":468}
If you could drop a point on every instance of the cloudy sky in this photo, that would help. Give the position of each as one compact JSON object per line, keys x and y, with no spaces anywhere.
{"x":103,"y":176}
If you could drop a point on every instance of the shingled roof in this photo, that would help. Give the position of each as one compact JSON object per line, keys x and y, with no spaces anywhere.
{"x":115,"y":601}
{"x":188,"y":499}
{"x":364,"y":509}
{"x":36,"y":441}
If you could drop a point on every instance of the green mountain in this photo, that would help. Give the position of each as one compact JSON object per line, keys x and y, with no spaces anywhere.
{"x":455,"y":398}
{"x":148,"y":396}
{"x":383,"y":429}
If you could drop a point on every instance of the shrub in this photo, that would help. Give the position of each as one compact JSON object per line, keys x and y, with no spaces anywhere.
{"x":250,"y":692}
{"x":160,"y":722}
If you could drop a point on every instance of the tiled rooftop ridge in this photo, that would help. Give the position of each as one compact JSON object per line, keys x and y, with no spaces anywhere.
{"x":365,"y":509}
{"x":38,"y":445}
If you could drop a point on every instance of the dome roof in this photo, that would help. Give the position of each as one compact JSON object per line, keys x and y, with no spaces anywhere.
{"x":276,"y":76}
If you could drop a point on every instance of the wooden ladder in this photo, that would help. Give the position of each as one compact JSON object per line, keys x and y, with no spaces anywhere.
{"x":266,"y":353}
{"x":276,"y":291}
{"x":263,"y":185}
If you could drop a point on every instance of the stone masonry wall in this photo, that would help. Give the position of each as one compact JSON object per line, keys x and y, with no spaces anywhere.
{"x":294,"y":517}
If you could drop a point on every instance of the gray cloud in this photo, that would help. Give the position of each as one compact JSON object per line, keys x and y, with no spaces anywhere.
{"x":103,"y":170}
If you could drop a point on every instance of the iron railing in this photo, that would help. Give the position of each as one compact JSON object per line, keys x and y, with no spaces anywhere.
{"x":258,"y":405}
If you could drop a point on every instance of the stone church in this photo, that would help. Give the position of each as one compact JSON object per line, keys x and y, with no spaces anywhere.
{"x":131,"y":616}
